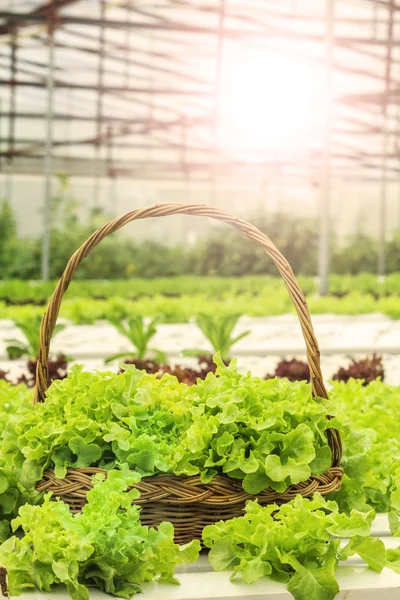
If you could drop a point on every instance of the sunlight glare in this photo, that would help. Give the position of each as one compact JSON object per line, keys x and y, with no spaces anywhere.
{"x":273,"y":102}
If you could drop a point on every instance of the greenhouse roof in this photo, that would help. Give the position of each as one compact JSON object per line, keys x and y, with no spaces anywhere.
{"x":227,"y":89}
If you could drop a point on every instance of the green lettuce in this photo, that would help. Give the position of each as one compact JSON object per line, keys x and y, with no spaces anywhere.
{"x":104,"y":546}
{"x":12,"y":494}
{"x":265,"y":433}
{"x":12,"y":398}
{"x":370,"y":427}
{"x":298,"y":543}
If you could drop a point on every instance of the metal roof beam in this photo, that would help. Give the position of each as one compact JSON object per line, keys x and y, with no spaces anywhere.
{"x":14,"y":18}
{"x":107,"y":88}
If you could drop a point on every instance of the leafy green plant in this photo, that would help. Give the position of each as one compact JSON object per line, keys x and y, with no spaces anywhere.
{"x":8,"y":234}
{"x":12,"y":495}
{"x":139,"y":334}
{"x":105,"y":545}
{"x":12,"y":398}
{"x":178,"y":299}
{"x":265,"y":433}
{"x":218,"y":331}
{"x":370,"y":429}
{"x":30,"y":329}
{"x":293,"y":544}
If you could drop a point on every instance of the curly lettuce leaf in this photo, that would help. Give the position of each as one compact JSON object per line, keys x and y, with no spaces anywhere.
{"x":370,"y":430}
{"x":293,"y":543}
{"x":266,"y":433}
{"x":105,"y":545}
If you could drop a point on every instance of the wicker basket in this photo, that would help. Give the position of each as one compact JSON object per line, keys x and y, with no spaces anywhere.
{"x":185,"y":501}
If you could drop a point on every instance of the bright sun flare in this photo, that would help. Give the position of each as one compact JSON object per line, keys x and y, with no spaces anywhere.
{"x":274,"y":103}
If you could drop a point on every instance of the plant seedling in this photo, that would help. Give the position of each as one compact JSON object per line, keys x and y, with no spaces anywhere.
{"x":136,"y":331}
{"x":218,"y":331}
{"x":30,"y":347}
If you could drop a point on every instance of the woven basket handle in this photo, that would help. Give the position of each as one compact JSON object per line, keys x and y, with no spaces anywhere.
{"x":162,"y":210}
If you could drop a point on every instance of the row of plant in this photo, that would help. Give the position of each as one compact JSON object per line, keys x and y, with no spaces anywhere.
{"x":19,"y":292}
{"x":229,"y":254}
{"x":120,"y":256}
{"x":38,"y":292}
{"x":267,"y":433}
{"x":182,"y":309}
{"x":107,"y":547}
{"x":217,"y":330}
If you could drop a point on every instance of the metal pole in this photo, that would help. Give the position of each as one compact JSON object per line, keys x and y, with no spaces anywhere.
{"x":112,"y":190}
{"x":218,"y":65}
{"x":11,"y":124}
{"x":375,"y":15}
{"x":48,"y":155}
{"x":397,"y":139}
{"x":385,"y":148}
{"x":100,"y":82}
{"x":216,"y":116}
{"x":151,"y":98}
{"x":1,"y":140}
{"x":324,"y":241}
{"x":127,"y":56}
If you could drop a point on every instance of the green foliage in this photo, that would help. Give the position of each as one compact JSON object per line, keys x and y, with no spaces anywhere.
{"x":12,"y":495}
{"x":218,"y":331}
{"x":266,"y":433}
{"x":358,"y":255}
{"x":105,"y":545}
{"x":38,"y":292}
{"x":8,"y":235}
{"x":30,"y":329}
{"x":139,"y":334}
{"x":8,"y":228}
{"x":362,"y":283}
{"x":231,"y":254}
{"x":293,"y":544}
{"x":178,"y":299}
{"x":151,"y":259}
{"x":371,"y":444}
{"x":12,"y":397}
{"x":393,"y":254}
{"x":181,"y":310}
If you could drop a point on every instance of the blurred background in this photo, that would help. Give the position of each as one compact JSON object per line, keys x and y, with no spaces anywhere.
{"x":258,"y":107}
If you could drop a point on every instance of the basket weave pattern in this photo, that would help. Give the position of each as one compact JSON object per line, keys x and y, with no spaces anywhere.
{"x":185,"y":501}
